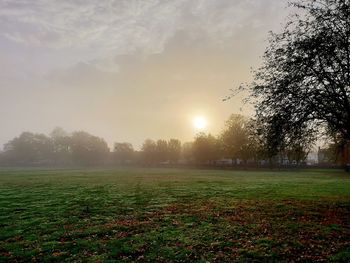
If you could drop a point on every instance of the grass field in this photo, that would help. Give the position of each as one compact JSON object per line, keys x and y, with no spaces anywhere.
{"x":174,"y":215}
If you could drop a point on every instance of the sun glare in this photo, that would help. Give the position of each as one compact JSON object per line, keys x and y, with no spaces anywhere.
{"x":200,"y":123}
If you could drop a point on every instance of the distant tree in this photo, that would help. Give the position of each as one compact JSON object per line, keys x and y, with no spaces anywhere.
{"x":29,"y":148}
{"x":257,"y":141}
{"x":205,"y":148}
{"x":334,"y":151}
{"x":58,"y":132}
{"x":162,"y":152}
{"x":62,"y":152}
{"x":138,"y":157}
{"x":174,"y":150}
{"x":297,"y":153}
{"x":2,"y":158}
{"x":340,"y":148}
{"x":331,"y":154}
{"x":123,"y":152}
{"x":187,"y":152}
{"x":235,"y":138}
{"x":88,"y":149}
{"x":303,"y":84}
{"x":149,"y":151}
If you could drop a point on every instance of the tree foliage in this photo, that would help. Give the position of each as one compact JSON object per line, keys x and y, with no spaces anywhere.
{"x":61,"y":141}
{"x":205,"y":148}
{"x":149,"y":151}
{"x":59,"y":148}
{"x":88,"y":149}
{"x":187,"y":152}
{"x":304,"y":83}
{"x":123,"y":152}
{"x":237,"y":139}
{"x":174,"y":150}
{"x":29,"y":148}
{"x":161,"y":151}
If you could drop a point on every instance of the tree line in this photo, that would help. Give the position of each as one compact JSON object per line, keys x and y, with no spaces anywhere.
{"x":301,"y":92}
{"x":240,"y":142}
{"x":57,"y":148}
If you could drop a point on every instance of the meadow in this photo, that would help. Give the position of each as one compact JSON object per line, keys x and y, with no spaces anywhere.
{"x":174,"y":215}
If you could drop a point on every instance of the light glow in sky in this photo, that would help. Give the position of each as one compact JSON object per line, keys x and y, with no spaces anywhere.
{"x":127,"y":70}
{"x":200,"y":122}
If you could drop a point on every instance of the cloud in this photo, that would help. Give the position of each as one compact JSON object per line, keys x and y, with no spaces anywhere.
{"x":124,"y":26}
{"x":173,"y":58}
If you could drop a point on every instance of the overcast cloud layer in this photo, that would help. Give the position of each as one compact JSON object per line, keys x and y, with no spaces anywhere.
{"x":127,"y":70}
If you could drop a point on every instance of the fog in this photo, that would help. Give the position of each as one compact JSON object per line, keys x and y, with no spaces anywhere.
{"x":128,"y":70}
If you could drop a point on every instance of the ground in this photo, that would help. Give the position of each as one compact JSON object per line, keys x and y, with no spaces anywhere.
{"x":172,"y":215}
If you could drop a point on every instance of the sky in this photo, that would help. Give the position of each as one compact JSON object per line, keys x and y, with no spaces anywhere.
{"x":127,"y":70}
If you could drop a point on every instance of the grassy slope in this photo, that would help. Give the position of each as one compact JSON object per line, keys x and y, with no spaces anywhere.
{"x":177,"y":215}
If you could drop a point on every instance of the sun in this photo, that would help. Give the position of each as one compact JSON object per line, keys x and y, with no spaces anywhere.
{"x":200,"y":122}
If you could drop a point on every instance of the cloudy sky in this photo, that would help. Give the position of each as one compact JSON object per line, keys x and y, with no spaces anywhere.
{"x":128,"y":70}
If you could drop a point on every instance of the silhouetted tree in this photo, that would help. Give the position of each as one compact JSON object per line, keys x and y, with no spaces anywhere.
{"x":336,"y":150}
{"x":304,"y":83}
{"x":269,"y":144}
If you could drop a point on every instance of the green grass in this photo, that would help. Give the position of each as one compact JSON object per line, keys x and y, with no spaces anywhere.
{"x":174,"y":215}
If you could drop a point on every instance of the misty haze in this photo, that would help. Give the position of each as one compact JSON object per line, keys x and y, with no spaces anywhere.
{"x":175,"y":131}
